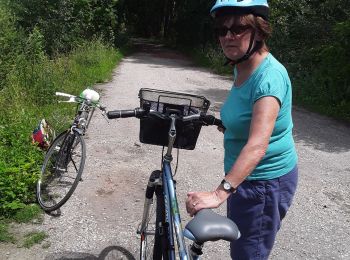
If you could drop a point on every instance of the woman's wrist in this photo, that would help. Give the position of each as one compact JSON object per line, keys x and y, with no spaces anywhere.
{"x":221,"y":194}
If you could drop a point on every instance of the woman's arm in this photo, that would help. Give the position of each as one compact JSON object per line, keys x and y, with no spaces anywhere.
{"x":264,"y":116}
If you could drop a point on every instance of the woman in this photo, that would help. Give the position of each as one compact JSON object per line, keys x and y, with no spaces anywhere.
{"x":260,"y":159}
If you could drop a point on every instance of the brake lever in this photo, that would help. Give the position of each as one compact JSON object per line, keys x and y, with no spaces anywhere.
{"x":157,"y":114}
{"x":104,"y":113}
{"x":72,"y":99}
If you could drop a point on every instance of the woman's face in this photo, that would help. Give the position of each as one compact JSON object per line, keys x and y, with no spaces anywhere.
{"x":234,"y":37}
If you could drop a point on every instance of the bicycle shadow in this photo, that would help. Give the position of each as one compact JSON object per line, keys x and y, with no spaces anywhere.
{"x":115,"y":252}
{"x":108,"y":253}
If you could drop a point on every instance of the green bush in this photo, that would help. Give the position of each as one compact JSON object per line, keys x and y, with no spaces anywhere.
{"x":10,"y":40}
{"x":19,"y":166}
{"x":325,"y":85}
{"x":65,"y":23}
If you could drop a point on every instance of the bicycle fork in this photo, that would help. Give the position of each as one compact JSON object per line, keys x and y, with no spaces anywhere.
{"x":154,"y":180}
{"x":154,"y":188}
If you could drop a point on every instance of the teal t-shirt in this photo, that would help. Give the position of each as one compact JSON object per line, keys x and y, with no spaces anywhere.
{"x":269,"y":79}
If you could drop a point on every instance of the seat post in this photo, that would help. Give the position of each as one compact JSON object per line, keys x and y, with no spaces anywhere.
{"x":196,"y":250}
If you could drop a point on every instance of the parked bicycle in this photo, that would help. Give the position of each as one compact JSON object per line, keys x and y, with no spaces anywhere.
{"x":65,"y":159}
{"x":173,"y":120}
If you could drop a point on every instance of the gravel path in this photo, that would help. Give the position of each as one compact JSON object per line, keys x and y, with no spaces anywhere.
{"x":101,"y":218}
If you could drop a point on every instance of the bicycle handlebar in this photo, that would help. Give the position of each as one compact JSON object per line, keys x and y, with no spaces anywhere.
{"x":139,"y":112}
{"x":76,"y":99}
{"x":64,"y":95}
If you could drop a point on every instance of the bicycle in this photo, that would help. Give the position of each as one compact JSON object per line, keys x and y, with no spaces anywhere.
{"x":65,"y":159}
{"x":174,"y":120}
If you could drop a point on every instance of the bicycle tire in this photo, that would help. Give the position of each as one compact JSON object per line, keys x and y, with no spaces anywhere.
{"x":61,"y":171}
{"x":153,"y":244}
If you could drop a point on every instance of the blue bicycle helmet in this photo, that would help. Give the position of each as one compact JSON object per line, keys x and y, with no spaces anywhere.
{"x":242,"y":7}
{"x":255,"y":7}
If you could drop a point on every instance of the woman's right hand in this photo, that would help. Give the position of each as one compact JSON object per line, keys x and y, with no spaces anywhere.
{"x":201,"y":200}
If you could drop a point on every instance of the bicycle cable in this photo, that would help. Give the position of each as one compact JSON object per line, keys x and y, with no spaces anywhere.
{"x":161,"y":159}
{"x":177,"y":160}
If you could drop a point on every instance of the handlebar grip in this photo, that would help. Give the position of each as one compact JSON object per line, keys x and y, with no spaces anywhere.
{"x":137,"y":112}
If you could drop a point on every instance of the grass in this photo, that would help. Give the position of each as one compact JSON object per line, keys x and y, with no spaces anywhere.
{"x":14,"y":234}
{"x":27,"y":240}
{"x":5,"y":235}
{"x":28,"y":213}
{"x":32,"y":238}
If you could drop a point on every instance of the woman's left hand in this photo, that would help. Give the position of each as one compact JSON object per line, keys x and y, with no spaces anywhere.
{"x":200,"y":200}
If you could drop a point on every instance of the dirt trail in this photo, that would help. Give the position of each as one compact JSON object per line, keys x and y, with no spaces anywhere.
{"x":101,"y":218}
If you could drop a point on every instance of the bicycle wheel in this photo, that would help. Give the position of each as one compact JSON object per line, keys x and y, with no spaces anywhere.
{"x":61,"y":171}
{"x":154,"y":234}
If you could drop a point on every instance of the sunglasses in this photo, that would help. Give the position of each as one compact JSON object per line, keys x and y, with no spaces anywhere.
{"x":236,"y":30}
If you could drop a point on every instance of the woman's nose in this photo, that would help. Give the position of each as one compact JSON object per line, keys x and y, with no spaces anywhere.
{"x":230,"y":34}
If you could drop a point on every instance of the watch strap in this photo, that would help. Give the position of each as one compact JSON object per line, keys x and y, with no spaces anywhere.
{"x":231,"y":189}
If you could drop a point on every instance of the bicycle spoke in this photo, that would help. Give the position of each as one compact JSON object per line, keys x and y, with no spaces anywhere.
{"x":151,"y":231}
{"x":74,"y":164}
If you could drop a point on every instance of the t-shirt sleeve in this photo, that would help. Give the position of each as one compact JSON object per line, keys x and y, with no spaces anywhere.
{"x":272,"y":84}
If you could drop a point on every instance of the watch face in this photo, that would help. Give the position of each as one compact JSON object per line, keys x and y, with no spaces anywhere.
{"x":227,"y":186}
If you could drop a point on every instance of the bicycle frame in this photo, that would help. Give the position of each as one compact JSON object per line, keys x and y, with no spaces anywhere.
{"x":83,"y":117}
{"x":172,"y":212}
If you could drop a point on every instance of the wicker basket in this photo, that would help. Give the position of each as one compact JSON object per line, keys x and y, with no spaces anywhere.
{"x":155,"y":130}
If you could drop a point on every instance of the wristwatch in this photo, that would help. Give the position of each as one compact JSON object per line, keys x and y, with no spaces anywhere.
{"x":227,"y":186}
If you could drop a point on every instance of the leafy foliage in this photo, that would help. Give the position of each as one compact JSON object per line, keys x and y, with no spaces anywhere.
{"x":9,"y":44}
{"x":312,"y":39}
{"x":65,"y":23}
{"x":18,"y":167}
